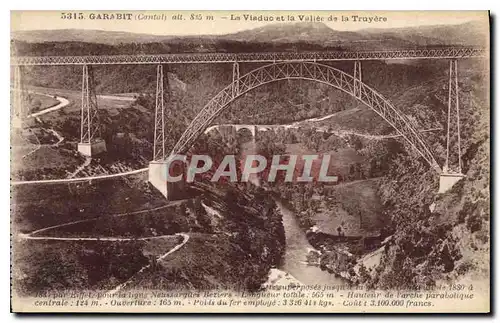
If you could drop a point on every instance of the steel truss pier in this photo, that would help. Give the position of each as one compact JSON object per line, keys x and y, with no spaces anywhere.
{"x":90,"y":142}
{"x":452,"y":170}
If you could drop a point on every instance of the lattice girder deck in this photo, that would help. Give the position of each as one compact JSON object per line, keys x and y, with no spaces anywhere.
{"x":443,"y":53}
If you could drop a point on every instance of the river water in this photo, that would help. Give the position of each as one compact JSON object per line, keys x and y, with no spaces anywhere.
{"x":297,"y":246}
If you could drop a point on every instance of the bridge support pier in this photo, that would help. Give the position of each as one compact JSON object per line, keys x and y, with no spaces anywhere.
{"x":16,"y":122}
{"x":19,"y":107}
{"x":157,"y":176}
{"x":452,"y":170}
{"x":93,"y":148}
{"x":159,"y":144}
{"x":90,"y":143}
{"x":160,"y":166}
{"x":446,"y":181}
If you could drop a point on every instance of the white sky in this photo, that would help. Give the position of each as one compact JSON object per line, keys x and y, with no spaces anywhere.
{"x":42,"y":20}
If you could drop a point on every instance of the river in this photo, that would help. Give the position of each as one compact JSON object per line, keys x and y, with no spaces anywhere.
{"x":297,"y":246}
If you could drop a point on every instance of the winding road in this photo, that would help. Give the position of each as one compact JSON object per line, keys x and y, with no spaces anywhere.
{"x":62,"y":103}
{"x":79,"y":179}
{"x":30,"y":236}
{"x":36,"y":235}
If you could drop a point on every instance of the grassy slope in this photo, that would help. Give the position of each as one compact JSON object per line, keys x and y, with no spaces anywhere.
{"x":235,"y":249}
{"x":354,"y":206}
{"x":58,"y":162}
{"x":340,"y":159}
{"x":40,"y":102}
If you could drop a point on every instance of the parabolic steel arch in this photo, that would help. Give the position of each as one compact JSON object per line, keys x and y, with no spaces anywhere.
{"x":307,"y":71}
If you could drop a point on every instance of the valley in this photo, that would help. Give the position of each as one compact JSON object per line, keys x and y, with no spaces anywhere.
{"x":381,"y":226}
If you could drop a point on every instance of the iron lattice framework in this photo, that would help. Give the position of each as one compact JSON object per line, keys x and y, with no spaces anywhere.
{"x":236,"y":76}
{"x":161,"y":113}
{"x":357,"y":79}
{"x":90,"y":129}
{"x":450,"y":53}
{"x":308,"y":71}
{"x":453,"y":164}
{"x":19,"y":105}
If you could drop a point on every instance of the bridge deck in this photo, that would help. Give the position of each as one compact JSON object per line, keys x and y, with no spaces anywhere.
{"x":445,"y":53}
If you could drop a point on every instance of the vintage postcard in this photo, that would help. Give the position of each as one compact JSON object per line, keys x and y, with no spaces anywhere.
{"x":237,"y":161}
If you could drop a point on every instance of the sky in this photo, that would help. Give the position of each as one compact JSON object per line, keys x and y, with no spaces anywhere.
{"x":223,"y":24}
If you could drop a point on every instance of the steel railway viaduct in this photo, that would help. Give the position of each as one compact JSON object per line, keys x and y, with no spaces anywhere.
{"x":311,"y":66}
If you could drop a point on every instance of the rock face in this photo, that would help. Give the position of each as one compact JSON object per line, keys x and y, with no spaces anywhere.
{"x":314,"y":257}
{"x":337,"y":261}
{"x":236,"y":237}
{"x":279,"y":277}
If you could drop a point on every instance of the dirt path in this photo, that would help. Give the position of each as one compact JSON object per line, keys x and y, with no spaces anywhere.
{"x":95,"y":239}
{"x":57,"y":135}
{"x":30,"y":236}
{"x":38,"y":146}
{"x":81,"y":167}
{"x":341,"y":133}
{"x":168,"y":253}
{"x":63,"y":102}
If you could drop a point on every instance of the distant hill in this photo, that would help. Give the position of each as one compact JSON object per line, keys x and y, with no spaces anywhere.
{"x":319,"y":34}
{"x":87,"y":36}
{"x":301,"y":31}
{"x":467,"y":34}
